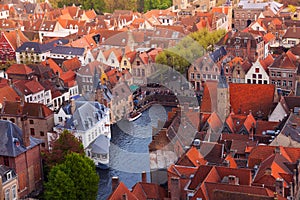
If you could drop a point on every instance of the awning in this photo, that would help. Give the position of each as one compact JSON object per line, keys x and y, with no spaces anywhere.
{"x":133,"y":87}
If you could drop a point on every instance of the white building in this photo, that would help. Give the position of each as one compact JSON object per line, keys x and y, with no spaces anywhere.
{"x":87,"y":120}
{"x":257,"y":74}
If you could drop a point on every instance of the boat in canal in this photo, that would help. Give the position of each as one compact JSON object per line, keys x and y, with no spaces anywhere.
{"x":134,"y":116}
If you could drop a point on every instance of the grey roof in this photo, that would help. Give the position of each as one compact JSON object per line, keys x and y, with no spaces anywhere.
{"x":65,"y":50}
{"x":86,"y":115}
{"x":40,"y":48}
{"x":10,"y":134}
{"x":218,"y":54}
{"x":274,"y":6}
{"x":100,"y":145}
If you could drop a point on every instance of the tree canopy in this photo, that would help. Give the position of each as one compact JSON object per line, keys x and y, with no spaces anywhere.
{"x":65,"y":144}
{"x":75,"y":178}
{"x":190,"y":48}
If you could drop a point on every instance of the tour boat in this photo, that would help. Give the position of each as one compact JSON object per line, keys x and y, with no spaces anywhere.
{"x":134,"y":116}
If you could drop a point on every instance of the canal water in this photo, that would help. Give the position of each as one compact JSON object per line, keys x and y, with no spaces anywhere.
{"x":129,"y":155}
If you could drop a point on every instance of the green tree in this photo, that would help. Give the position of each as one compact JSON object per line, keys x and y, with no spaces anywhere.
{"x":157,"y":4}
{"x":75,"y":178}
{"x":97,"y":5}
{"x":189,"y":49}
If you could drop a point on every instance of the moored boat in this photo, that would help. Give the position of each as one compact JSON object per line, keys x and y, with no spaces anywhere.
{"x":134,"y":116}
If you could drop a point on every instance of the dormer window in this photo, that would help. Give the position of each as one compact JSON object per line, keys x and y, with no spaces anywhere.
{"x":8,"y":176}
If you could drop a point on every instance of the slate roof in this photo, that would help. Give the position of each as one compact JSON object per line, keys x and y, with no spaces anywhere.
{"x":4,"y":170}
{"x":218,"y":54}
{"x":86,"y":115}
{"x":100,"y":145}
{"x":10,"y":134}
{"x":40,"y":48}
{"x":65,"y":50}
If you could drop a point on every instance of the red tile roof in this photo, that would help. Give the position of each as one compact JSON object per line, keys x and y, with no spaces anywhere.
{"x":52,"y":64}
{"x":72,"y":64}
{"x":27,"y":87}
{"x":209,"y":99}
{"x":260,"y":153}
{"x":119,"y":193}
{"x":20,"y":69}
{"x":8,"y":94}
{"x":192,"y":158}
{"x":148,"y":191}
{"x":37,"y":110}
{"x":252,"y":97}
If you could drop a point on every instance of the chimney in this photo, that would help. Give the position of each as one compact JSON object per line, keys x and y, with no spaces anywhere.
{"x":144,"y":177}
{"x":233,"y":180}
{"x":279,"y":187}
{"x":25,"y":132}
{"x":175,"y":188}
{"x":73,"y":106}
{"x":114,"y":183}
{"x":277,"y":150}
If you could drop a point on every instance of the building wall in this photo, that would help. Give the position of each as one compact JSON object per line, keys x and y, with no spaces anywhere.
{"x":283,"y":78}
{"x":29,"y":170}
{"x":243,"y":17}
{"x":257,"y":75}
{"x":9,"y":186}
{"x":7,"y":53}
{"x":37,"y":127}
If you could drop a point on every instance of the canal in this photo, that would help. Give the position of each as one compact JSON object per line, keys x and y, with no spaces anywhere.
{"x":129,"y":155}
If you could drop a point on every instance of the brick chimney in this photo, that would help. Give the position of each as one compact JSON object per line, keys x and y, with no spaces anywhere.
{"x":144,"y":177}
{"x":114,"y":183}
{"x":233,"y":180}
{"x":25,"y":132}
{"x":175,"y":188}
{"x":279,"y":186}
{"x":277,"y":150}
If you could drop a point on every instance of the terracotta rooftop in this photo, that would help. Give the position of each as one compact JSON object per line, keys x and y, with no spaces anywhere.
{"x":20,"y":69}
{"x":255,"y":98}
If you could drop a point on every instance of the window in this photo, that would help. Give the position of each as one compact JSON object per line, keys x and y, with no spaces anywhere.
{"x":283,"y":74}
{"x":31,"y":121}
{"x":290,"y":75}
{"x":32,"y":131}
{"x":12,"y":120}
{"x":273,"y":74}
{"x":278,"y":83}
{"x":6,"y":194}
{"x":278,"y":74}
{"x":42,"y":133}
{"x":14,"y":192}
{"x":284,"y":83}
{"x":256,"y":70}
{"x":260,"y":76}
{"x":265,"y":82}
{"x":8,"y":175}
{"x":259,"y":81}
{"x":125,"y":62}
{"x":254,"y":81}
{"x":198,"y":76}
{"x":43,"y":144}
{"x":192,"y":76}
{"x":238,"y":72}
{"x":290,"y":83}
{"x":138,"y":63}
{"x":112,"y":61}
{"x":253,"y":75}
{"x":273,"y":82}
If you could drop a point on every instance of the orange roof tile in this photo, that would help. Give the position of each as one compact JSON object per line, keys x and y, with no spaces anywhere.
{"x":252,"y":97}
{"x":8,"y":94}
{"x":20,"y":69}
{"x":71,"y":64}
{"x":192,"y":158}
{"x":120,"y":191}
{"x":232,"y":163}
{"x":52,"y":64}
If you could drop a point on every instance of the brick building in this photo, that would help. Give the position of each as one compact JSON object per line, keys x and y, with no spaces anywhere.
{"x":283,"y":72}
{"x":40,"y":118}
{"x":245,"y":45}
{"x":21,"y":152}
